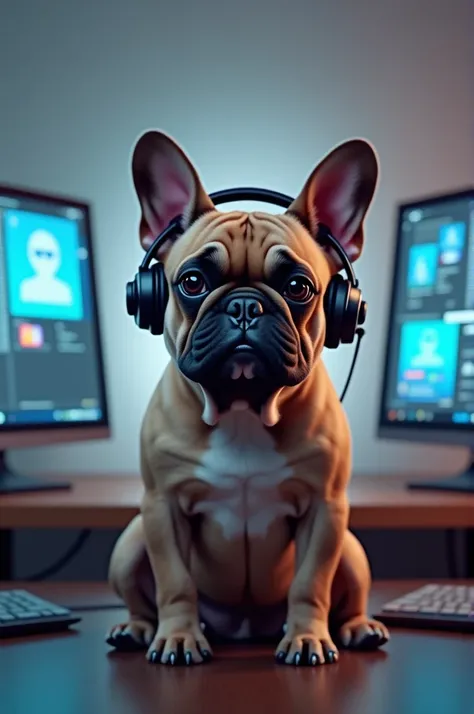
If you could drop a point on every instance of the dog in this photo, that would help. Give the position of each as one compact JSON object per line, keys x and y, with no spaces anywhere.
{"x":245,"y":449}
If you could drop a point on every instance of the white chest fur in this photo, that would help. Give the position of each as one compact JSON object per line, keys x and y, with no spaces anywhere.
{"x":244,"y":470}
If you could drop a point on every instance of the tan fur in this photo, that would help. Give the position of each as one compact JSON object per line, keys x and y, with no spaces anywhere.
{"x":176,"y":560}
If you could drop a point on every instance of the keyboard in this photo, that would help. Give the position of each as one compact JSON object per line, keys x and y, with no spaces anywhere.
{"x":22,"y":613}
{"x":435,"y":606}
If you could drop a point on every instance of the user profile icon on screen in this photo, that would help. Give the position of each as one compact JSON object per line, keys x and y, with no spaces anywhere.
{"x":43,"y":266}
{"x":427,"y":360}
{"x":451,"y":240}
{"x":422,"y":265}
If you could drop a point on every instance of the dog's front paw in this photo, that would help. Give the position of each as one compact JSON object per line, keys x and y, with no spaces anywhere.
{"x":307,"y":643}
{"x":178,"y":642}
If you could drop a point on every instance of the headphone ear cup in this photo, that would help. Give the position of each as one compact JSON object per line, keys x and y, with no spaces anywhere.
{"x":343,"y":309}
{"x":335,"y":303}
{"x":352,"y":315}
{"x":160,"y":299}
{"x":147,"y":298}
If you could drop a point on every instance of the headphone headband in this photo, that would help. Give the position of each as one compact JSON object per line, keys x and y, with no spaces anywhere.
{"x":264,"y":195}
{"x":232,"y":195}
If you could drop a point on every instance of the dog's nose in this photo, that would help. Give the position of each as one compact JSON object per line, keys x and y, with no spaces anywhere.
{"x":243,"y":311}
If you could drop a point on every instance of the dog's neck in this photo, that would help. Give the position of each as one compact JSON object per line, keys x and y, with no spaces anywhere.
{"x":302,"y":404}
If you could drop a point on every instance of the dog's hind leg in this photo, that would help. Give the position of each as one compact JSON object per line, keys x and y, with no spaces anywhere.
{"x":131,"y":577}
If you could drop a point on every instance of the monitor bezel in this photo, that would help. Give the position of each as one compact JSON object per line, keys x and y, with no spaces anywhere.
{"x":420,"y":431}
{"x":12,"y":435}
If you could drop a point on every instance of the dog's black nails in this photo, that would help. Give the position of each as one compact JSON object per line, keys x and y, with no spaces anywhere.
{"x":331,"y":656}
{"x":172,"y":658}
{"x":314,"y":660}
{"x":281,"y":656}
{"x":188,"y":658}
{"x":154,"y":657}
{"x":297,"y":658}
{"x":206,"y":655}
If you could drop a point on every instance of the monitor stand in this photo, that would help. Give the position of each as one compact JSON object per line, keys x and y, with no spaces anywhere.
{"x":11,"y":482}
{"x":463,"y":482}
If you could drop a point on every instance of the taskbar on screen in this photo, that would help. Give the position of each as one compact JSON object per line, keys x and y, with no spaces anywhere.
{"x":50,"y":416}
{"x":426,"y":415}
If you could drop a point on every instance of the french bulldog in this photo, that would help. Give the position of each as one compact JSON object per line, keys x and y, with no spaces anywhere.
{"x":245,"y":448}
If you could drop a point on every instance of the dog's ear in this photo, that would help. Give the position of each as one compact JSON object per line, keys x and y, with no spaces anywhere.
{"x":167,"y":186}
{"x":338,"y":194}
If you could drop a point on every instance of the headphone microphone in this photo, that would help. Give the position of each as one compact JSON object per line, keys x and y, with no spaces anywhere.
{"x":345,"y":310}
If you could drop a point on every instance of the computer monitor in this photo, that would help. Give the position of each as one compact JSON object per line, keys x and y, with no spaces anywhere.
{"x":51,"y":371}
{"x":428,"y":383}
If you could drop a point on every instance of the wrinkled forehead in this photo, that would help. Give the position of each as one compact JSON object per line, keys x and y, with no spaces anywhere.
{"x":251,"y":245}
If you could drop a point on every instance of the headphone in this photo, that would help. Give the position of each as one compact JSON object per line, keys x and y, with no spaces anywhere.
{"x":344,"y":308}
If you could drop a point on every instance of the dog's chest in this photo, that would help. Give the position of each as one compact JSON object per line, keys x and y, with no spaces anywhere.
{"x":244,"y":471}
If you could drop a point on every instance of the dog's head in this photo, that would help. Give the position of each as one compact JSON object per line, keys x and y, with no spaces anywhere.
{"x":245,"y":318}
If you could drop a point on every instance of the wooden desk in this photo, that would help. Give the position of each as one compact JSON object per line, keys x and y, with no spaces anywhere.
{"x":75,"y":673}
{"x":109,"y":501}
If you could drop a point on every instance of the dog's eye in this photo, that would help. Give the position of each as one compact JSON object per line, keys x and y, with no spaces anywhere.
{"x":193,"y":284}
{"x":299,"y":289}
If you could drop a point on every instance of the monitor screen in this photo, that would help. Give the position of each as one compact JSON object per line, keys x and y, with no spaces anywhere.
{"x":429,"y":361}
{"x":51,"y":372}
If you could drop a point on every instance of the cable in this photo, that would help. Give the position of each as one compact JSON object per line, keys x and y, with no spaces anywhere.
{"x":360,"y":332}
{"x":85,"y":534}
{"x":72,"y":551}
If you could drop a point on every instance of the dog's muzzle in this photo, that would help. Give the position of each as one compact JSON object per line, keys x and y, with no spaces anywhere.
{"x":243,"y":350}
